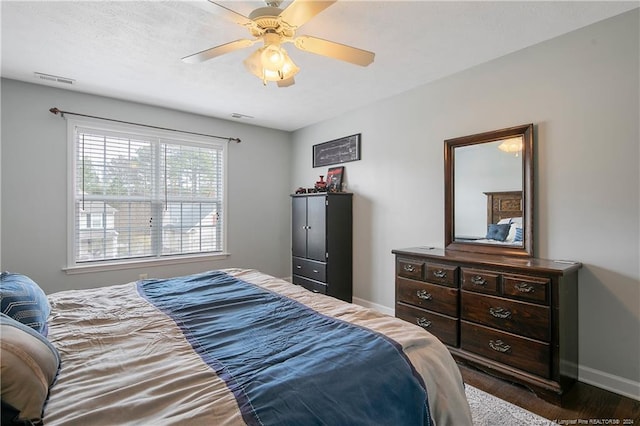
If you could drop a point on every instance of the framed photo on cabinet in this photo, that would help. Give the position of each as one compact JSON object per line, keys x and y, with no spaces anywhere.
{"x":334,"y":179}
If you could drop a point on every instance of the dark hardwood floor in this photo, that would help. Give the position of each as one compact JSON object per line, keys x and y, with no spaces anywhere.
{"x":585,"y":404}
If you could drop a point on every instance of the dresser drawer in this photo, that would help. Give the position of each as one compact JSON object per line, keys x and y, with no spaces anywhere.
{"x":429,"y":296}
{"x":310,"y":269}
{"x":443,"y":327}
{"x":526,"y":288}
{"x":526,"y":354}
{"x":480,"y":280}
{"x":442,"y":274}
{"x":315,"y":286}
{"x":410,"y":268}
{"x":517,"y":317}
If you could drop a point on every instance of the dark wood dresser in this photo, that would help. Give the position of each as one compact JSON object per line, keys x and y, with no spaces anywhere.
{"x":322,"y":243}
{"x":514,"y":317}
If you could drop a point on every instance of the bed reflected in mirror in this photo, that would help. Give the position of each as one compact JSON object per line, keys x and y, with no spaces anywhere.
{"x":488,"y":197}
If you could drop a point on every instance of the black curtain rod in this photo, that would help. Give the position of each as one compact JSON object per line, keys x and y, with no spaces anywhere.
{"x":56,"y":111}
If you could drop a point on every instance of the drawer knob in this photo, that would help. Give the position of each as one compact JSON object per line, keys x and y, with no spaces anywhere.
{"x":440,"y":273}
{"x":524,"y":287}
{"x":409,"y":268}
{"x":478,"y":280}
{"x":424,"y":295}
{"x":499,"y":312}
{"x":423,"y":322}
{"x":499,"y":346}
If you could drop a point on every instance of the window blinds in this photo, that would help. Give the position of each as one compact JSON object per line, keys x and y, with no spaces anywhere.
{"x":137,"y":195}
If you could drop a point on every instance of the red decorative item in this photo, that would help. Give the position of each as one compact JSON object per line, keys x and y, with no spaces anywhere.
{"x":321,"y":185}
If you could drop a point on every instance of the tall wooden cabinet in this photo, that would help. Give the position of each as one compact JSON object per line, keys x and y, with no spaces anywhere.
{"x":322,"y":243}
{"x":515,"y":317}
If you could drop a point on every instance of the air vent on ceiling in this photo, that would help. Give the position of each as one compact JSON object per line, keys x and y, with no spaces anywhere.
{"x":238,"y":115}
{"x":53,"y":78}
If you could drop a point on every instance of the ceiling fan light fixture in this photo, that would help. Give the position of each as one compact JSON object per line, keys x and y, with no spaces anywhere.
{"x":511,"y":145}
{"x":271,"y":63}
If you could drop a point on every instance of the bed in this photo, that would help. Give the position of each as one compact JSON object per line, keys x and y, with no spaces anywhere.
{"x":235,"y":347}
{"x":504,"y":220}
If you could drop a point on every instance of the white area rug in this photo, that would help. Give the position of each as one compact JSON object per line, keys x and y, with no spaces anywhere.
{"x":487,"y":410}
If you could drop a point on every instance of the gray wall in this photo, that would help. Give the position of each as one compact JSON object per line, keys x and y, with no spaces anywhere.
{"x":581,"y":92}
{"x":34,"y":187}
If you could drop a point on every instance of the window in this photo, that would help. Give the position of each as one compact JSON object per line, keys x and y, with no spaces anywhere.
{"x":144,"y":194}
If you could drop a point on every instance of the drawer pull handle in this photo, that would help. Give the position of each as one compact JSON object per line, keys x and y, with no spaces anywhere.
{"x":409,"y":268}
{"x":499,"y":346}
{"x":423,"y":322}
{"x":424,"y":295}
{"x":315,"y":271}
{"x":440,"y":273}
{"x":500,"y":312}
{"x":298,"y":267}
{"x":478,"y":280}
{"x":524,"y":288}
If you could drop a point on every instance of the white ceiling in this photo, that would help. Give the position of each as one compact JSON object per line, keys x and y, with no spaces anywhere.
{"x":132,"y":49}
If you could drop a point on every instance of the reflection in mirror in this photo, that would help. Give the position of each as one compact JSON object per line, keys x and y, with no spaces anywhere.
{"x":488,"y":192}
{"x":482,"y":170}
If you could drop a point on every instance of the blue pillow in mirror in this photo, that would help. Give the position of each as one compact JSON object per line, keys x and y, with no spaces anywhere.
{"x":518,"y":237}
{"x":24,"y":301}
{"x":498,"y":232}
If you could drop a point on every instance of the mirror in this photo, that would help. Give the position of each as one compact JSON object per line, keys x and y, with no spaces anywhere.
{"x":489,"y":192}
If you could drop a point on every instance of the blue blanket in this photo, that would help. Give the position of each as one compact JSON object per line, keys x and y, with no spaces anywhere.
{"x":287,"y":364}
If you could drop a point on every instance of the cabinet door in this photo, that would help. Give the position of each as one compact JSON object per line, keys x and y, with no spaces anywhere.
{"x":316,"y":228}
{"x":299,"y":226}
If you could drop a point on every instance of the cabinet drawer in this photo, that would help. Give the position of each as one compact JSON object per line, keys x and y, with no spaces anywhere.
{"x":310,"y":269}
{"x":410,"y":268}
{"x":443,"y":327}
{"x":479,"y":280}
{"x":517,"y":317}
{"x":442,"y":274}
{"x":526,"y":288}
{"x":526,"y":354}
{"x":314,"y":286}
{"x":430,"y":296}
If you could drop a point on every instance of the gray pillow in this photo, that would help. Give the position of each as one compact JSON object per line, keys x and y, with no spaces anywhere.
{"x":29,"y":365}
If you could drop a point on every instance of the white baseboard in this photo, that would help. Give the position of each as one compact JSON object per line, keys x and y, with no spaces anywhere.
{"x":610,"y":382}
{"x":374,"y":306}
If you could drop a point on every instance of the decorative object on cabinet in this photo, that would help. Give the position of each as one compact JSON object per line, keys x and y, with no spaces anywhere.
{"x":514,"y":317}
{"x":475,"y":166}
{"x":334,"y":179}
{"x":322,"y":243}
{"x":337,"y":151}
{"x":321,"y":185}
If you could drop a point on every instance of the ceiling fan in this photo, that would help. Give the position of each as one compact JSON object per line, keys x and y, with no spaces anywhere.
{"x":275,"y":26}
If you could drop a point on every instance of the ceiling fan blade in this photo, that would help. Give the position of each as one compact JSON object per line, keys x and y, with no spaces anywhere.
{"x":301,"y":11}
{"x":233,"y":15}
{"x":286,"y":82}
{"x":334,"y":50}
{"x":217,"y":51}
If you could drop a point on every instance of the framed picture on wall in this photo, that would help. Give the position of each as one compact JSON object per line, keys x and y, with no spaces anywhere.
{"x":334,"y":179}
{"x":337,"y":151}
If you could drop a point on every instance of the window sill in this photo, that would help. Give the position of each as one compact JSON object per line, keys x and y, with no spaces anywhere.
{"x":139,"y":263}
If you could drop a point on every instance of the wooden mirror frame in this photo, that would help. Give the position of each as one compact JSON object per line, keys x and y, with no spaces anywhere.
{"x":526,"y":131}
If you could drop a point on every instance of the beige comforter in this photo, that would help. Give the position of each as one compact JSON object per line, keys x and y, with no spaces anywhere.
{"x":124,"y":363}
